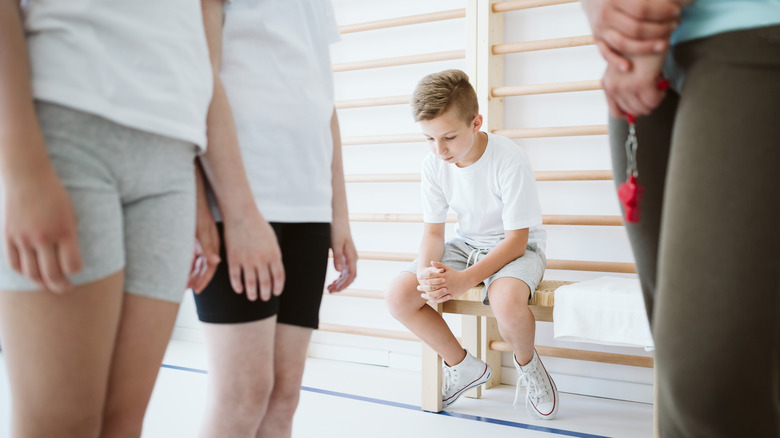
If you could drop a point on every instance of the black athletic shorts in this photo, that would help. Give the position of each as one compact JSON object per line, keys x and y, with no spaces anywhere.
{"x":305,"y":256}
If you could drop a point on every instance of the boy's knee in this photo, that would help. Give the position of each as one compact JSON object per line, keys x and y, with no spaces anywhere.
{"x":397,"y":298}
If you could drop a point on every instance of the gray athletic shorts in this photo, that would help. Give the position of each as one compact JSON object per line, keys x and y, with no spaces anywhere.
{"x":134,"y":197}
{"x":529,"y":267}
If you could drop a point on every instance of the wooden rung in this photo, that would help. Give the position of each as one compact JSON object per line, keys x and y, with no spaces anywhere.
{"x":560,"y":219}
{"x":567,"y":265}
{"x":357,"y":293}
{"x":555,"y":175}
{"x":366,"y":331}
{"x":382,"y":178}
{"x":593,"y":266}
{"x":373,"y":101}
{"x":592,"y":356}
{"x":550,"y":131}
{"x":557,"y":87}
{"x":400,"y":60}
{"x":548,"y":219}
{"x":566,"y":353}
{"x":554,"y":43}
{"x":574,"y":175}
{"x":403,"y":21}
{"x":383,"y":139}
{"x":527,"y":4}
{"x":553,"y":131}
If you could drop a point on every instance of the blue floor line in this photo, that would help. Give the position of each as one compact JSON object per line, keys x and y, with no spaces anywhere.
{"x":417,"y":408}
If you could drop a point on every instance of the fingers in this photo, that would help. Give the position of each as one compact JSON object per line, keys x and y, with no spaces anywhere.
{"x":338,"y":257}
{"x":432,"y":285}
{"x":642,"y":28}
{"x":351,"y":270}
{"x":14,"y":258}
{"x":234,"y":271}
{"x":614,"y":108}
{"x":278,"y":277}
{"x":29,"y":264}
{"x":430,"y":272}
{"x":619,"y":43}
{"x":264,"y":280}
{"x":436,"y":298}
{"x":653,"y":10}
{"x":69,"y":255}
{"x":49,"y":267}
{"x":631,"y":97}
{"x":205,"y":272}
{"x":46,"y":263}
{"x":250,"y":283}
{"x":612,"y":57}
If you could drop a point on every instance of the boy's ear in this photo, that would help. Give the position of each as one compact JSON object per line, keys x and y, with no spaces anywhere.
{"x":476,"y":124}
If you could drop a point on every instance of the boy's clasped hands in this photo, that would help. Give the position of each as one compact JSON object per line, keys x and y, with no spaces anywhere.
{"x":440,"y":283}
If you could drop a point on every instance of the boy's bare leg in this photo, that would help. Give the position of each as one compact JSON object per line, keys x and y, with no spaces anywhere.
{"x":58,"y":349}
{"x":405,"y":304}
{"x":290,"y":347}
{"x":516,"y":323}
{"x":241,"y":374}
{"x":144,"y":331}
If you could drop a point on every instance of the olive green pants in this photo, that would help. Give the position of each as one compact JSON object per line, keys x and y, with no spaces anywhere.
{"x":707,"y":246}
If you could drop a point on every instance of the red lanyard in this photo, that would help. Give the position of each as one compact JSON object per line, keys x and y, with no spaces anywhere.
{"x":630,"y":192}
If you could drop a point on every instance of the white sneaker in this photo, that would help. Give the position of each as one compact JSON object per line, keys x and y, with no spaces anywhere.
{"x":541,"y":394}
{"x":457,"y":379}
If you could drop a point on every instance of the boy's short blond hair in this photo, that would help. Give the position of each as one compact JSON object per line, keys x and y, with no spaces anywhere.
{"x":437,"y":93}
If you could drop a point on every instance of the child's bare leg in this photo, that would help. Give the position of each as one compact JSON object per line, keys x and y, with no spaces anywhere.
{"x":289,"y":356}
{"x":405,"y":304}
{"x":240,"y":377}
{"x":58,"y":349}
{"x":509,"y":301}
{"x":144,"y":331}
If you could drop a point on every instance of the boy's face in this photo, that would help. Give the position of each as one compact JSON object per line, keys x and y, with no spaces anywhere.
{"x":453,"y":140}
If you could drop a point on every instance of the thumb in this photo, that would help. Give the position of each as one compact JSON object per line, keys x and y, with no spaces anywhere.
{"x":338,"y":258}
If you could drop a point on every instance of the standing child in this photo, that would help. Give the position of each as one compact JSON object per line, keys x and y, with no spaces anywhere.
{"x":273,"y":59}
{"x":102,"y":111}
{"x":487,"y":180}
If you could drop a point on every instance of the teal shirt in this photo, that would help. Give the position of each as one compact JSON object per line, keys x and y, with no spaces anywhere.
{"x":709,"y":17}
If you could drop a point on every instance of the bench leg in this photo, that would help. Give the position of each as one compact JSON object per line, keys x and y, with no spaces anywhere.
{"x":472,"y":341}
{"x":491,"y":357}
{"x":431,"y":376}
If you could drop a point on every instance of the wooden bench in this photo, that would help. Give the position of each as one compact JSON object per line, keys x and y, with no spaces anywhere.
{"x":480,"y":336}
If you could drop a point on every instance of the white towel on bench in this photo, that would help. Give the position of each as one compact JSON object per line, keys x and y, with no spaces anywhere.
{"x":606,"y":310}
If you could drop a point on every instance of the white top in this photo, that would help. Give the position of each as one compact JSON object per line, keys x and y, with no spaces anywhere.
{"x":496,"y":193}
{"x":140,"y":63}
{"x":277,"y":72}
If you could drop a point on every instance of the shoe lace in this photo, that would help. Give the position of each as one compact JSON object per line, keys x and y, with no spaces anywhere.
{"x":535,"y":391}
{"x":446,"y":379}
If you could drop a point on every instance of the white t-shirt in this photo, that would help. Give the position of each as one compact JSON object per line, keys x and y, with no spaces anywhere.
{"x":277,"y":72}
{"x":496,"y":193}
{"x":139,"y":63}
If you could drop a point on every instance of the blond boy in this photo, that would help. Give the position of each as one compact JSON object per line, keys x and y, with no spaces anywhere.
{"x":488,"y":182}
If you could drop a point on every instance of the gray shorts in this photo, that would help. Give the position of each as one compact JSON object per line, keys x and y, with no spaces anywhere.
{"x":134,"y":197}
{"x":460,"y":255}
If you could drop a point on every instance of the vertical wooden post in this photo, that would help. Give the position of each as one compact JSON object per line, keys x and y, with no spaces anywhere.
{"x":489,"y":67}
{"x":491,"y":357}
{"x":472,"y":339}
{"x":431,"y":375}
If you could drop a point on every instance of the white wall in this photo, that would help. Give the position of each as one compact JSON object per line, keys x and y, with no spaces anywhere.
{"x":567,"y":153}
